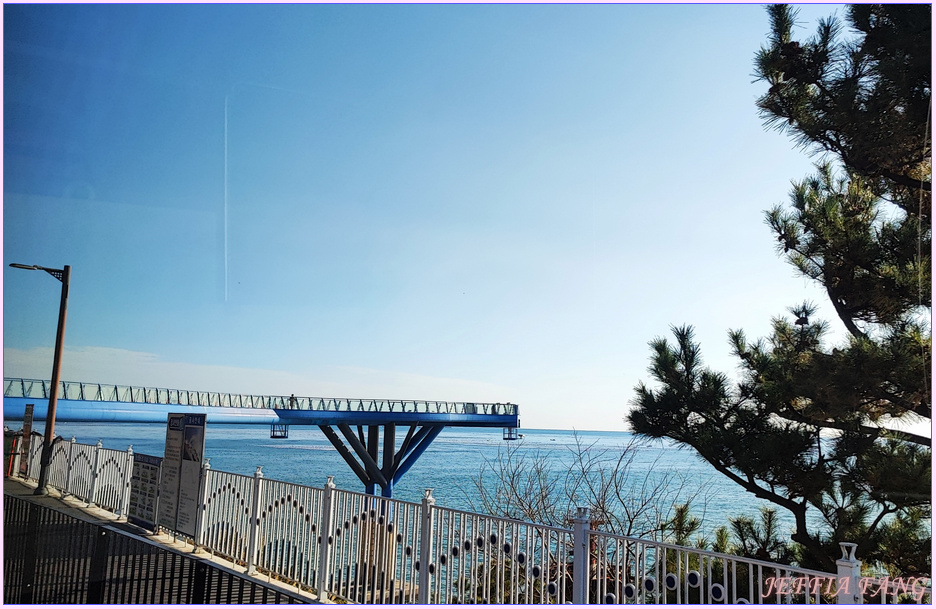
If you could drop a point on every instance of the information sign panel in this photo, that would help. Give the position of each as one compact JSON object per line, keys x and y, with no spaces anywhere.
{"x":171,"y":465}
{"x":193,"y":449}
{"x":144,"y":486}
{"x":181,"y":472}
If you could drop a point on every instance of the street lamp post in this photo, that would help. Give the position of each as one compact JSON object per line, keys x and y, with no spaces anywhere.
{"x":62,"y":275}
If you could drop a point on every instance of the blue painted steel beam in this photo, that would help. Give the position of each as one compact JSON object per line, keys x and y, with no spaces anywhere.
{"x":373,"y":443}
{"x":364,"y":454}
{"x":389,"y":445}
{"x":418,"y":450}
{"x":317,"y":417}
{"x":345,"y":454}
{"x":408,"y":446}
{"x":394,"y":466}
{"x":90,"y":411}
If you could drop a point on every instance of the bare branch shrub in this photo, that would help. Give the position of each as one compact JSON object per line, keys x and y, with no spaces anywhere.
{"x":624,"y":496}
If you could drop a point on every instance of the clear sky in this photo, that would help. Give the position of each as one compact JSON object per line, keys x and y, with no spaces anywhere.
{"x":464,"y":203}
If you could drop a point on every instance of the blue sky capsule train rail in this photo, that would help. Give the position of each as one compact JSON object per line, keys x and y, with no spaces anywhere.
{"x":363,"y":431}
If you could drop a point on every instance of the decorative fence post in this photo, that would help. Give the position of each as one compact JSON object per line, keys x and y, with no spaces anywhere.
{"x":202,"y":508}
{"x":14,"y":470}
{"x":124,"y":506}
{"x":849,"y":576}
{"x":95,"y":472}
{"x":425,"y":547}
{"x":324,"y":568}
{"x":580,"y":577}
{"x":69,"y":461}
{"x":253,"y":531}
{"x":28,"y":452}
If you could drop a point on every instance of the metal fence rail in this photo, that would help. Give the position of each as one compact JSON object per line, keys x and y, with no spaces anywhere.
{"x":59,"y":465}
{"x":887,"y":591}
{"x":371,"y":547}
{"x":227,"y":508}
{"x":636,"y":570}
{"x":53,"y":558}
{"x":92,"y":473}
{"x":34,"y":555}
{"x":73,"y":390}
{"x":111,"y":487}
{"x":353,"y":547}
{"x":34,"y":457}
{"x":288,"y":528}
{"x":483,"y":559}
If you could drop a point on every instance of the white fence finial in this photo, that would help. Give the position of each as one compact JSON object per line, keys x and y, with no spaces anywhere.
{"x":849,"y":576}
{"x":848,"y":550}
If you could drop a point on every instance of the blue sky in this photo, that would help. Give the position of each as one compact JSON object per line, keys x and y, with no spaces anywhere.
{"x":465,"y":203}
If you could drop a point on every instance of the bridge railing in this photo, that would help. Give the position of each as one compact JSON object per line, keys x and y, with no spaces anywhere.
{"x":74,"y":390}
{"x":354,"y":547}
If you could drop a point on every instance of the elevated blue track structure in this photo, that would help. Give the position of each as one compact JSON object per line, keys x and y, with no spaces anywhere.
{"x":353,"y":426}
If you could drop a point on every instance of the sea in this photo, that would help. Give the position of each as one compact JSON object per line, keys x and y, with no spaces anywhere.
{"x":452,"y":465}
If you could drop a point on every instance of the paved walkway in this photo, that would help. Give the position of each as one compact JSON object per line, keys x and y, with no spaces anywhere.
{"x":79,"y":509}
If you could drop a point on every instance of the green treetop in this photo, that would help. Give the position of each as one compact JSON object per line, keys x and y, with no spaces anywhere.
{"x":808,"y":426}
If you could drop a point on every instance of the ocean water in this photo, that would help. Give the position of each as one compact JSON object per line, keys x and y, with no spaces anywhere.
{"x":450,"y":466}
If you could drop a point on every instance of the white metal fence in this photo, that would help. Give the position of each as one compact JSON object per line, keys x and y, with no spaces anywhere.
{"x":641,"y":571}
{"x":97,"y":475}
{"x":354,"y":547}
{"x":475,"y":558}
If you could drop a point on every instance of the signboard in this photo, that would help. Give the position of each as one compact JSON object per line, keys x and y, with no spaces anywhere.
{"x":27,"y":437}
{"x":193,"y":449}
{"x":181,"y":472}
{"x":144,"y":487}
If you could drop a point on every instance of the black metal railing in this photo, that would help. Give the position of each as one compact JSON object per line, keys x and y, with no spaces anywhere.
{"x":53,"y":558}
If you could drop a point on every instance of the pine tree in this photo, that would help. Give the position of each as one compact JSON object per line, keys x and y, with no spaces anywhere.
{"x":809,"y":427}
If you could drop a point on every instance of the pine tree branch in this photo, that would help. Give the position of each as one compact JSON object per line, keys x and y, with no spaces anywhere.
{"x":906,"y":180}
{"x":793,"y":415}
{"x":923,"y":408}
{"x":801,"y":535}
{"x":867,"y":542}
{"x":751,"y":486}
{"x":906,"y":436}
{"x":844,"y":314}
